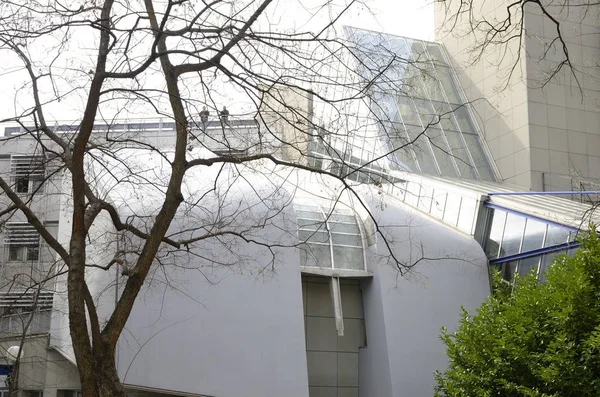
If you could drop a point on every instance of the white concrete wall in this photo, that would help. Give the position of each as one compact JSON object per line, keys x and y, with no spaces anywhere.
{"x":404,"y":314}
{"x":210,"y":329}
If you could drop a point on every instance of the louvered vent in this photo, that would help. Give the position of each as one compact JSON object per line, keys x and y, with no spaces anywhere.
{"x":21,"y":242}
{"x":27,"y":173}
{"x":40,"y":300}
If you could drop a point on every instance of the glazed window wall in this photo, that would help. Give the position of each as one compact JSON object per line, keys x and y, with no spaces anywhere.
{"x":518,"y":243}
{"x":422,"y":114}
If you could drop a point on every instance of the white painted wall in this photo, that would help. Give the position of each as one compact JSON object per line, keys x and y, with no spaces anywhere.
{"x":404,"y":315}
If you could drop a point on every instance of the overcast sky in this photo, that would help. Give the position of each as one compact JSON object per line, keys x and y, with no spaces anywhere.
{"x":411,"y":18}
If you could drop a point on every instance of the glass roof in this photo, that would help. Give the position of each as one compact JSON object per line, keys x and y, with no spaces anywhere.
{"x":421,"y":112}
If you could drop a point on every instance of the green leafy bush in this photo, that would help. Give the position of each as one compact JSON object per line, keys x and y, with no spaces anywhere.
{"x":536,"y":340}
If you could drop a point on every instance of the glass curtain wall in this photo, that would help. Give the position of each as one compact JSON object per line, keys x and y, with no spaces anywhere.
{"x":422,"y":117}
{"x":520,"y":244}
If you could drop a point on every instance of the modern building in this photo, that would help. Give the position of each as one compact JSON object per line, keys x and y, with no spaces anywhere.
{"x":540,"y":115}
{"x":316,"y":301}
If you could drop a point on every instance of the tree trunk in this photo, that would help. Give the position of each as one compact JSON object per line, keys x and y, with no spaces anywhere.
{"x":104,"y":380}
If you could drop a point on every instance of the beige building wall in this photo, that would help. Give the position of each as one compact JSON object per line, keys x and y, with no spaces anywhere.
{"x":286,"y":118}
{"x":542,"y":137}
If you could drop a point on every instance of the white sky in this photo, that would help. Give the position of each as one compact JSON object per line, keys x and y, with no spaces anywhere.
{"x":411,"y":18}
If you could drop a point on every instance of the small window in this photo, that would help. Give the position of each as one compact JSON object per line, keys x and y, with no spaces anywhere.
{"x":21,"y":242}
{"x":27,"y":173}
{"x":68,"y":393}
{"x":33,"y":393}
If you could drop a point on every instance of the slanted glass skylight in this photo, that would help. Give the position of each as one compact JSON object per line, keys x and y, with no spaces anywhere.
{"x":421,"y":112}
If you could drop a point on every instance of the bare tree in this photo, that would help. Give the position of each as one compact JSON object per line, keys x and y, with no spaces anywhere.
{"x":505,"y":34}
{"x":180,"y":61}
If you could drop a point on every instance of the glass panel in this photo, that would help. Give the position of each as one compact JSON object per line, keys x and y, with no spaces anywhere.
{"x":407,"y":111}
{"x":463,"y":118}
{"x":425,"y":110}
{"x":468,"y":208}
{"x":435,"y":54}
{"x":479,"y":158}
{"x":534,"y":235}
{"x":422,"y":150}
{"x":443,"y":112}
{"x":399,"y":46}
{"x":359,"y":37}
{"x":508,"y":270}
{"x":385,"y":107}
{"x":312,"y":224}
{"x":349,"y":258}
{"x":417,"y":50}
{"x":447,"y":119}
{"x":344,"y":228}
{"x":346,"y":239}
{"x":372,"y":64}
{"x":337,"y":217}
{"x":452,"y":208}
{"x":432,"y":87}
{"x":313,"y":255}
{"x":513,"y":232}
{"x":528,"y":265}
{"x":306,"y":213}
{"x":402,"y":157}
{"x":313,"y":237}
{"x":441,"y":151}
{"x":573,"y":236}
{"x":447,"y":81}
{"x":460,"y":154}
{"x":547,"y":260}
{"x":413,"y":83}
{"x":492,"y":245}
{"x":556,"y":235}
{"x":439,"y":204}
{"x":425,"y":199}
{"x":395,"y":75}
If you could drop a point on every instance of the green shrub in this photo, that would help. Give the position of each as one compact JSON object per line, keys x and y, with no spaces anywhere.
{"x":536,"y":340}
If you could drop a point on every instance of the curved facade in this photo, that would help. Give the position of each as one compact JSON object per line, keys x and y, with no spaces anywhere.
{"x":228,"y":317}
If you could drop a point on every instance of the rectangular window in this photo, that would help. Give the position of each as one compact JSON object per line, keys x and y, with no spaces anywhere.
{"x":68,"y":393}
{"x":27,"y":173}
{"x":21,"y":243}
{"x":33,"y":393}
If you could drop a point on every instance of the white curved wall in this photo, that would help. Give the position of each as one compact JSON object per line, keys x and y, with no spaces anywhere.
{"x":404,"y":315}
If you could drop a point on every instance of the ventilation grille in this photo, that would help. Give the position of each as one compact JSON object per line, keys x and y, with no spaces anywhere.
{"x":21,"y":234}
{"x":21,"y":166}
{"x":41,"y":300}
